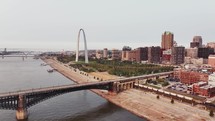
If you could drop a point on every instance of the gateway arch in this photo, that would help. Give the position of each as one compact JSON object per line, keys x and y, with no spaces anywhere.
{"x":85,"y":46}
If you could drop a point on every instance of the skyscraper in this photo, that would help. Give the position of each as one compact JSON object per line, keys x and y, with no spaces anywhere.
{"x":194,"y":44}
{"x":197,"y":42}
{"x":167,"y":40}
{"x":198,"y":39}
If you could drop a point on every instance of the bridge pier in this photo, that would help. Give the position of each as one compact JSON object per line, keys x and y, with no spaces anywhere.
{"x":113,"y":88}
{"x":119,"y":87}
{"x":128,"y":85}
{"x":21,"y":112}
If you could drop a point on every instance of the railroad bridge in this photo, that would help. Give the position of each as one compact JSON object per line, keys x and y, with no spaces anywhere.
{"x":24,"y":99}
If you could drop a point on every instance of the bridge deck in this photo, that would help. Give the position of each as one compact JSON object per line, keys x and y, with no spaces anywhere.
{"x":45,"y":89}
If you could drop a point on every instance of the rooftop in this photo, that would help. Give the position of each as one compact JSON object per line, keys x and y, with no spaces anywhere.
{"x":208,"y":86}
{"x":200,"y":83}
{"x":213,"y":74}
{"x":211,"y":56}
{"x":168,"y":32}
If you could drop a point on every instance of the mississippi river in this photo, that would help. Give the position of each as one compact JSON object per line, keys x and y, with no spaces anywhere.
{"x":16,"y":74}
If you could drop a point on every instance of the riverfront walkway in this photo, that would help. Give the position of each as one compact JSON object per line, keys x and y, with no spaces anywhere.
{"x":143,"y":104}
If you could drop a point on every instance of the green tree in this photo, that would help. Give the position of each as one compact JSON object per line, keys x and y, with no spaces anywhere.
{"x":165,"y":83}
{"x":158,"y":96}
{"x":172,"y":101}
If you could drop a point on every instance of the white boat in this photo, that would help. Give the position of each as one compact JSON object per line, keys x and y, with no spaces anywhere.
{"x":50,"y":70}
{"x":43,"y":64}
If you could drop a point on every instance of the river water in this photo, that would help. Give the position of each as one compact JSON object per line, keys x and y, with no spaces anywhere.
{"x":16,"y":74}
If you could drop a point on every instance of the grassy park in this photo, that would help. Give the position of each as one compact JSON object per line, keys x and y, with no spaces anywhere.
{"x":114,"y":67}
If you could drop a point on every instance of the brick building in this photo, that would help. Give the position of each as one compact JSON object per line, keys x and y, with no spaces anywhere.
{"x":132,"y":55}
{"x":167,"y":40}
{"x":166,"y":55}
{"x":137,"y":55}
{"x":190,"y":77}
{"x":177,"y":55}
{"x":211,"y":60}
{"x":125,"y":53}
{"x":191,"y":52}
{"x":202,"y":88}
{"x":205,"y":52}
{"x":154,"y":54}
{"x":115,"y":54}
{"x":141,"y":54}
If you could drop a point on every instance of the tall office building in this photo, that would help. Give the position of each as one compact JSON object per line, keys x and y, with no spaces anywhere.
{"x":177,"y":55}
{"x":154,"y":54}
{"x":194,"y":45}
{"x":197,"y":42}
{"x":198,"y":39}
{"x":167,"y":40}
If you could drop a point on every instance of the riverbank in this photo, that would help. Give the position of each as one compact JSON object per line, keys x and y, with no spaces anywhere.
{"x":143,"y":104}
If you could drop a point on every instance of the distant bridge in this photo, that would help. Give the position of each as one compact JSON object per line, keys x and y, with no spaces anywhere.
{"x":21,"y":100}
{"x":21,"y":56}
{"x":17,"y":55}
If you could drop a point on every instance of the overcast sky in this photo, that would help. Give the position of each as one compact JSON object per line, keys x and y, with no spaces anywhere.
{"x":54,"y":24}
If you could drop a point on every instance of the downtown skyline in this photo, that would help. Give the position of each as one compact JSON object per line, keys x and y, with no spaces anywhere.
{"x":54,"y":24}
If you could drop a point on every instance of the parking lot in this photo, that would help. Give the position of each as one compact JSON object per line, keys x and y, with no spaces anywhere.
{"x":180,"y":87}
